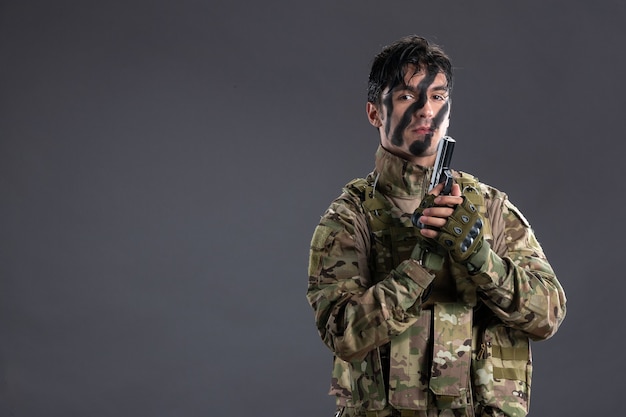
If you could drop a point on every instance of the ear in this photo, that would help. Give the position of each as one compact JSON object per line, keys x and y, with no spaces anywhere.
{"x":373,"y":115}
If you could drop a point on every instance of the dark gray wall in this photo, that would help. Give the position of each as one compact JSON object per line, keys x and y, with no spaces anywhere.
{"x":163,"y":165}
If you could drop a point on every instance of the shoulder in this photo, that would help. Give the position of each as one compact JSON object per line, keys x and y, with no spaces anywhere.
{"x":497,"y":199}
{"x":480,"y":193}
{"x":346,"y":212}
{"x":343,"y":229}
{"x":467,"y":181}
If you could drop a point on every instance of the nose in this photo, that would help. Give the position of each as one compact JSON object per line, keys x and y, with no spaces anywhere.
{"x":426,"y":111}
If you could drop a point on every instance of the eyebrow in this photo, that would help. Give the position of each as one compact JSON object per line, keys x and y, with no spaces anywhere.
{"x":402,"y":87}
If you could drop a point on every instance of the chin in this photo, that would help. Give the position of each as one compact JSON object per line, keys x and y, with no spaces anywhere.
{"x":420,"y":147}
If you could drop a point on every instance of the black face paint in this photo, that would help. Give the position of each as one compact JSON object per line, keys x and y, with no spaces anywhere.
{"x":418,"y":147}
{"x":422,"y":87}
{"x":388,"y":102}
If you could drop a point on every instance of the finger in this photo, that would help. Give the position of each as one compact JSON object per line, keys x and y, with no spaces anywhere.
{"x":433,"y":221}
{"x":437,"y":190}
{"x":429,"y":233}
{"x":448,"y":200}
{"x":438,"y":211}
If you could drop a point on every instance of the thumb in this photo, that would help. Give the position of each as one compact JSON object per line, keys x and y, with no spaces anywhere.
{"x":437,"y":190}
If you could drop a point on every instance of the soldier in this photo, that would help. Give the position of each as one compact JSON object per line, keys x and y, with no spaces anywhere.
{"x":421,"y":322}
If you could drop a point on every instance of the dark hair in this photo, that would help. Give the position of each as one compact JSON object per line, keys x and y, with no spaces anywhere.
{"x":389,"y":66}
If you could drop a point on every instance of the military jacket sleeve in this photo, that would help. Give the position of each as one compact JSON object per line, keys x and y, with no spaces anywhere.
{"x":517,"y":283}
{"x":353,"y":314}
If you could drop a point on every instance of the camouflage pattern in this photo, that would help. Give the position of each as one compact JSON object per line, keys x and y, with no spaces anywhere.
{"x":420,"y":341}
{"x":502,"y":370}
{"x":409,"y":366}
{"x":452,"y":345}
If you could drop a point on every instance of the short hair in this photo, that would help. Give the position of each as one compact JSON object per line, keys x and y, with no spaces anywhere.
{"x":389,"y":66}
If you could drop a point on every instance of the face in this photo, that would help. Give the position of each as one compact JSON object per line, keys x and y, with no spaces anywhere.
{"x":413,"y":116}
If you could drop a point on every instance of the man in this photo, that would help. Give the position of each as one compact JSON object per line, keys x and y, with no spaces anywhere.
{"x":432,"y":320}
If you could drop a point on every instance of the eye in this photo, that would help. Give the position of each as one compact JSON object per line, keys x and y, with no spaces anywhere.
{"x":405,"y":97}
{"x":439,"y":97}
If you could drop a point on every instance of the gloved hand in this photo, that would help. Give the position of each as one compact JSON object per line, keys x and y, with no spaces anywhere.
{"x":460,"y":234}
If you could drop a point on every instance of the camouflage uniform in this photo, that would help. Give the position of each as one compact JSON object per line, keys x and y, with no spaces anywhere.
{"x":408,"y":341}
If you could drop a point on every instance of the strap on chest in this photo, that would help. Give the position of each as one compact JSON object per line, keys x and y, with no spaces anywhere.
{"x":376,"y":207}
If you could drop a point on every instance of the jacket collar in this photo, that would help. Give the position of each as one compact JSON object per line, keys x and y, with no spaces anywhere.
{"x":398,"y":177}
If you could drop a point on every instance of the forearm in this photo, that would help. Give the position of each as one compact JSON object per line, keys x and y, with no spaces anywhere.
{"x":353,"y":319}
{"x":353,"y":313}
{"x":523,"y":292}
{"x":516,"y":281}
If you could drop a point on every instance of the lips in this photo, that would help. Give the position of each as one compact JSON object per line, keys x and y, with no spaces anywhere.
{"x":423,"y":130}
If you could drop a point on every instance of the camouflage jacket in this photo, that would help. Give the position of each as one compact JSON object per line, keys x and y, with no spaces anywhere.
{"x":408,"y":338}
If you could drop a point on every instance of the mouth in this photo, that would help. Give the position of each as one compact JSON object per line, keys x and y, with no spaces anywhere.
{"x":423,"y":130}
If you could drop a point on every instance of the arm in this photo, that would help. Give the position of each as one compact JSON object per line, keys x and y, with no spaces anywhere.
{"x":354,"y":315}
{"x":516,"y":280}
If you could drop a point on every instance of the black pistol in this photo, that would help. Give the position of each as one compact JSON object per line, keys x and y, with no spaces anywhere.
{"x":441,"y":173}
{"x":441,"y":170}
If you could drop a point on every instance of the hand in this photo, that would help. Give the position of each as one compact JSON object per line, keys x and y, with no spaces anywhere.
{"x":452,"y":222}
{"x":436,"y":209}
{"x":428,"y":252}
